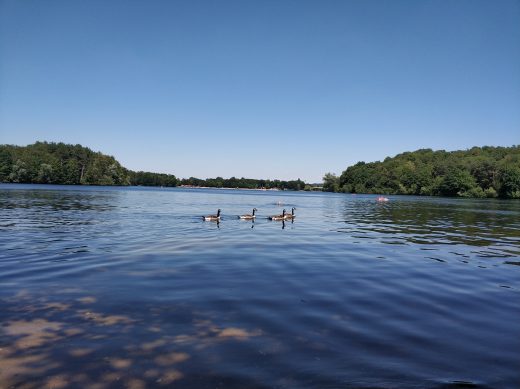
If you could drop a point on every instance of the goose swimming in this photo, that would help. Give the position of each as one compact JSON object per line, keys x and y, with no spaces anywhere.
{"x":212,"y":217}
{"x":290,"y":216}
{"x":249,"y":217}
{"x":278,"y":217}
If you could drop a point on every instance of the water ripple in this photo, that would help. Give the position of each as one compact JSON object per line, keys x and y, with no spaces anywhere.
{"x":128,"y":287}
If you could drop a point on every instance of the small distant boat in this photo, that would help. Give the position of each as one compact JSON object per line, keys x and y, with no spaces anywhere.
{"x":249,"y":217}
{"x":382,"y":199}
{"x":212,"y":217}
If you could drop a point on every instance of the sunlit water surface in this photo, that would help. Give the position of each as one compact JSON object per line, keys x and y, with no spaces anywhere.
{"x":129,"y":288}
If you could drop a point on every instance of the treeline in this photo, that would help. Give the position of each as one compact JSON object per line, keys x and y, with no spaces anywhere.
{"x":244,"y":183}
{"x":478,"y":172}
{"x":152,"y":179}
{"x":59,"y":163}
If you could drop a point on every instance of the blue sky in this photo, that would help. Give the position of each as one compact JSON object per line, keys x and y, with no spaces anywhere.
{"x":267,"y":89}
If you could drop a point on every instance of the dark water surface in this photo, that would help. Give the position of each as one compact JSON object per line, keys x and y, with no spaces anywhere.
{"x":129,"y":288}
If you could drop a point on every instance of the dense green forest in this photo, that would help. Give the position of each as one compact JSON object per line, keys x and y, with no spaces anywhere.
{"x":477,"y":172}
{"x":59,"y":163}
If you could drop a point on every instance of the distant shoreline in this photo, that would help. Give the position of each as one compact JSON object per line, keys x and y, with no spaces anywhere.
{"x":160,"y":187}
{"x":152,"y":186}
{"x":236,"y":188}
{"x":60,"y":163}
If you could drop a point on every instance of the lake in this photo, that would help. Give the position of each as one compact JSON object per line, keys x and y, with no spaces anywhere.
{"x":105,"y":287}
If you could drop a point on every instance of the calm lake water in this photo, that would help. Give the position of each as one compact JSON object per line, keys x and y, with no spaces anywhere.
{"x":129,"y":288}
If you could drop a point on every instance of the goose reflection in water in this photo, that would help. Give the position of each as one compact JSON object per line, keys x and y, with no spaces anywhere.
{"x":283,"y":223}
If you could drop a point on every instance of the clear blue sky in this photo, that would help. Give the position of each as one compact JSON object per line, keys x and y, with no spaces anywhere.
{"x":267,"y":89}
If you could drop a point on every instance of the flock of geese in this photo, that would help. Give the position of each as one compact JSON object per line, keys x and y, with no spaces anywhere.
{"x":282,"y":217}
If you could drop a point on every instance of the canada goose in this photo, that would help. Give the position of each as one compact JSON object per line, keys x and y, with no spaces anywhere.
{"x":278,"y":217}
{"x":212,"y":217}
{"x":290,"y":216}
{"x":249,"y":217}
